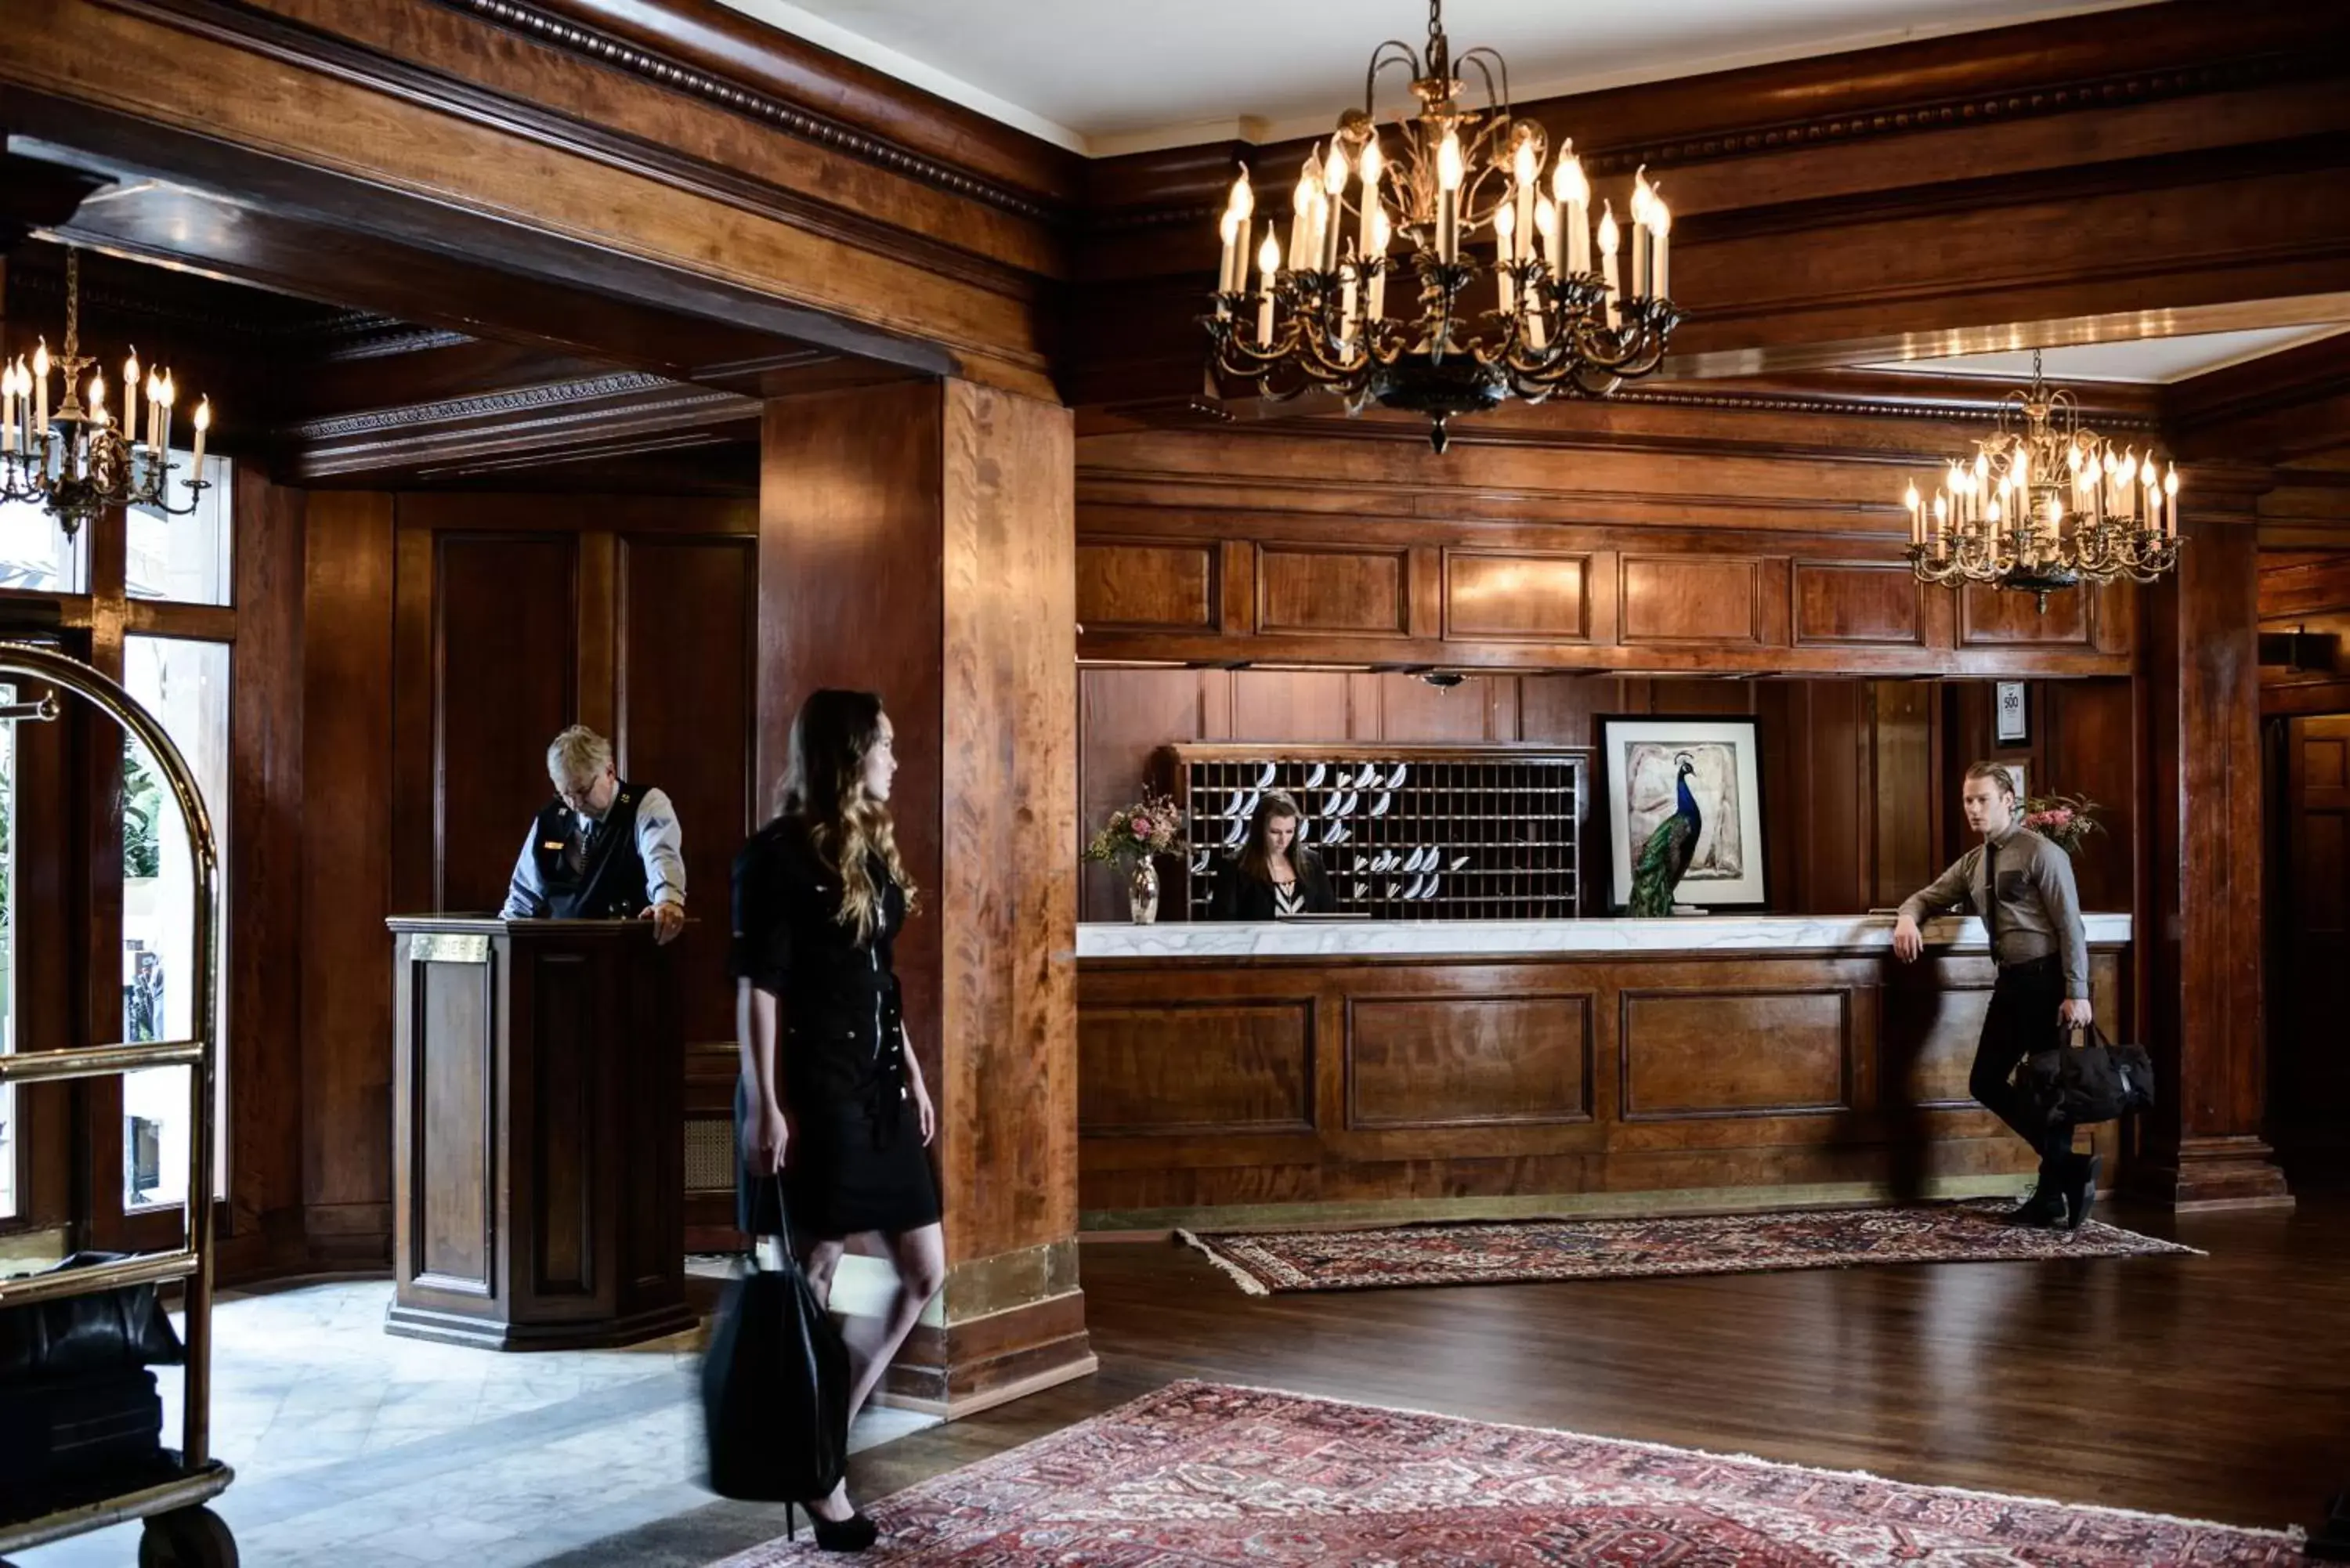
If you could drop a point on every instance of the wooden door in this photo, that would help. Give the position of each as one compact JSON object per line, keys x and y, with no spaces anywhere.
{"x":2309,"y":982}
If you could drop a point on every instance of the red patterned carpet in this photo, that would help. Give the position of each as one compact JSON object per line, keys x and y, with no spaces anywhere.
{"x":1199,"y":1473}
{"x":1486,"y":1253}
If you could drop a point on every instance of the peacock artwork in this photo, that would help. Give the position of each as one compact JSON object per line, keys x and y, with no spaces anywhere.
{"x":1687,"y":826}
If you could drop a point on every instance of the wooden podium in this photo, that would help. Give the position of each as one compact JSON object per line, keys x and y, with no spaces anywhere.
{"x":538,"y":1188}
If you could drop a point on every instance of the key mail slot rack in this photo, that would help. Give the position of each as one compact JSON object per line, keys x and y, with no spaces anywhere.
{"x":1406,"y":833}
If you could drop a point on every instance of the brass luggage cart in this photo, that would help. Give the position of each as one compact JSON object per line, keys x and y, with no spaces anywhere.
{"x":181,"y":1531}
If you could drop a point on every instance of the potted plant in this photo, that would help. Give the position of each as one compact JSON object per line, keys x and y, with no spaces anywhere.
{"x":1133,"y":836}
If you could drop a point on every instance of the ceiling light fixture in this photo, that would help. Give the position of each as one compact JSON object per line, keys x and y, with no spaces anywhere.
{"x":1564,"y":312}
{"x":2044,"y":504}
{"x":78,"y":459}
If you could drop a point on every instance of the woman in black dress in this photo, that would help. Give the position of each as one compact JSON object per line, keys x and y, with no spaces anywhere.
{"x":1272,"y":875}
{"x":830,"y":1094}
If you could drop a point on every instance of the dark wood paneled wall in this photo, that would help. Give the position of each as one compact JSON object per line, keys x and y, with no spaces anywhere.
{"x":447,"y":639}
{"x":1712,"y":541}
{"x":1432,"y":1087}
{"x":2308,"y":592}
{"x":916,"y":540}
{"x":1857,"y":772}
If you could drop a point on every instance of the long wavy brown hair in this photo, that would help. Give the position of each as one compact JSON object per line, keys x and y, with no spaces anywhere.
{"x":1256,"y":860}
{"x":824,"y":785}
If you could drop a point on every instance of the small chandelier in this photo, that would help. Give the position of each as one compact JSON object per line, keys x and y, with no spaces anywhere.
{"x":2045,"y":504}
{"x":77,"y":459}
{"x":1550,"y":322}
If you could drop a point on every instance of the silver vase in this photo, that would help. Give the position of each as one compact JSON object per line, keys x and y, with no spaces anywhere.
{"x":1142,"y":892}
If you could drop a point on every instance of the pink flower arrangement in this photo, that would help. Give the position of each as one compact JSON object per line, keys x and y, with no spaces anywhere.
{"x":1150,"y":827}
{"x":2062,"y":819}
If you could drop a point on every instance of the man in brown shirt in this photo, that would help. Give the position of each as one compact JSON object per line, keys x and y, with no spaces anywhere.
{"x":2022,"y":886}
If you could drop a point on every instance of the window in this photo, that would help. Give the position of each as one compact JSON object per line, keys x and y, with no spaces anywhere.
{"x":185,"y":684}
{"x":7,"y":955}
{"x":184,"y":559}
{"x":35,"y":556}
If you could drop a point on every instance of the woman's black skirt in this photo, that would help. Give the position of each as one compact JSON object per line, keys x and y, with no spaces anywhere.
{"x":843,"y":1172}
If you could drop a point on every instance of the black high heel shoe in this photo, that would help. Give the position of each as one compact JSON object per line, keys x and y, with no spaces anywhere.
{"x":854,"y":1533}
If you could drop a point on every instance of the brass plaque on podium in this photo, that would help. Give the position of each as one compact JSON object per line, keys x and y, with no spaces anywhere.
{"x":449,"y":947}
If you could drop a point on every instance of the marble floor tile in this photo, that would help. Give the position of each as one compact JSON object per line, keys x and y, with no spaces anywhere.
{"x":354,"y":1447}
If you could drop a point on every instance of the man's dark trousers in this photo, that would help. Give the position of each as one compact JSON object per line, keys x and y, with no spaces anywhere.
{"x":2022,"y":1019}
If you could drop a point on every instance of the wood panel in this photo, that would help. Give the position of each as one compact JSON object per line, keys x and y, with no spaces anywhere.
{"x":1668,"y":600}
{"x":348,"y":877}
{"x":2309,"y":984}
{"x":1330,"y":590}
{"x":1138,"y":586}
{"x":2203,"y":900}
{"x":1998,"y":617}
{"x":454,"y":1102}
{"x":1678,"y":1061}
{"x":505,"y":674}
{"x":1509,"y":598}
{"x":565,"y":1150}
{"x":264,"y":1065}
{"x":1204,"y":1067}
{"x":1476,"y":1086}
{"x":688,"y":623}
{"x":1874,"y":606}
{"x":1468,"y":1061}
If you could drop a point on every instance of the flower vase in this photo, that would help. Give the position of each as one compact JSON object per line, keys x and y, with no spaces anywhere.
{"x":1142,"y":892}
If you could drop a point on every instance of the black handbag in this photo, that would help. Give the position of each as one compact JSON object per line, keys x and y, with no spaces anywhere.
{"x":2084,"y":1084}
{"x":774,"y":1389}
{"x":103,"y":1331}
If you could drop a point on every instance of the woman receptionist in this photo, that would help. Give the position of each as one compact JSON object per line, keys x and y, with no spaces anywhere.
{"x":1271,"y":876}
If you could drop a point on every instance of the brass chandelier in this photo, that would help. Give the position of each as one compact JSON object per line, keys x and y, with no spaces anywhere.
{"x":76,"y":458}
{"x":2045,"y":504}
{"x":1551,"y":320}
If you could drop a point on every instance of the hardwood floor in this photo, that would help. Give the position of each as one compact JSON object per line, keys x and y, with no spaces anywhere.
{"x":2217,"y":1386}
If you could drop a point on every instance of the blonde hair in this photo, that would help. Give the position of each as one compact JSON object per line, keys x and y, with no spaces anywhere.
{"x":824,"y":785}
{"x":1996,"y":772}
{"x":580,"y":752}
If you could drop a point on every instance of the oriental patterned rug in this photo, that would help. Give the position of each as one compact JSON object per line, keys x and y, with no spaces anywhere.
{"x":1521,"y":1252}
{"x":1201,"y":1473}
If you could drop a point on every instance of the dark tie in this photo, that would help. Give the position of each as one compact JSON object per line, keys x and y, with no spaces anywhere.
{"x":1991,"y":896}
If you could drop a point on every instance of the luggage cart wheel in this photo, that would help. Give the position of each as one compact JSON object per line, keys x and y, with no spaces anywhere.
{"x":187,"y":1538}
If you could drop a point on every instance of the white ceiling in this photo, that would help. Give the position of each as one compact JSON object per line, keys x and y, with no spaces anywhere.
{"x":1105,"y":79}
{"x":2151,"y":361}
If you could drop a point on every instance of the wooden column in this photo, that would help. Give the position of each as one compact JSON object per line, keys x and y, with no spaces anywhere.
{"x":2199,"y":936}
{"x":918,"y":540}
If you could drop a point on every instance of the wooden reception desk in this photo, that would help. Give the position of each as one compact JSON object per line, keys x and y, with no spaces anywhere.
{"x":538,"y":1176}
{"x":1284,"y":1074}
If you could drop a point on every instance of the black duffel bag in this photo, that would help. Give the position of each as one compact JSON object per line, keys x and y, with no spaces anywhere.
{"x":2084,"y":1084}
{"x":774,"y":1389}
{"x":102,"y":1331}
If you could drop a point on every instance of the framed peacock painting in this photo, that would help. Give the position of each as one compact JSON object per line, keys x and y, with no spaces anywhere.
{"x":1684,"y":797}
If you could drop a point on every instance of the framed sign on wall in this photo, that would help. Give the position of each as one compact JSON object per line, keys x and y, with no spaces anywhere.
{"x":2012,"y":714}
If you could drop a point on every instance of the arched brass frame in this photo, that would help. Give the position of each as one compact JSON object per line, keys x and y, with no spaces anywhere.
{"x":192,"y":1261}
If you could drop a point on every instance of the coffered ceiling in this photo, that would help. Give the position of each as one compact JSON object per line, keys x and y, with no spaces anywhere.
{"x":1106,"y":79}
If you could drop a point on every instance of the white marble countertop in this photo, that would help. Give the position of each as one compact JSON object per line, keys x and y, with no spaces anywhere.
{"x":1477,"y":938}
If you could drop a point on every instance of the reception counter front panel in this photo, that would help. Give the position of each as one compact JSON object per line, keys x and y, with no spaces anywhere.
{"x":1294,"y":1073}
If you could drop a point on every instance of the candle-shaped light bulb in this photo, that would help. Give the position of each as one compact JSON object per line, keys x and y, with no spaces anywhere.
{"x":1525,"y":164}
{"x":1368,"y":169}
{"x":98,"y":398}
{"x":1505,"y":229}
{"x":1660,"y":223}
{"x":2171,"y":500}
{"x":1371,"y":164}
{"x":1607,"y":240}
{"x":1567,"y":182}
{"x":131,"y":398}
{"x":203,"y":423}
{"x":1268,"y":264}
{"x":1449,"y":169}
{"x":1917,"y":513}
{"x":1546,"y":230}
{"x":1573,"y":194}
{"x":41,"y":358}
{"x":1241,"y":202}
{"x":41,"y":387}
{"x":1449,"y":175}
{"x":1334,"y":170}
{"x":1381,"y":233}
{"x":1992,"y":514}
